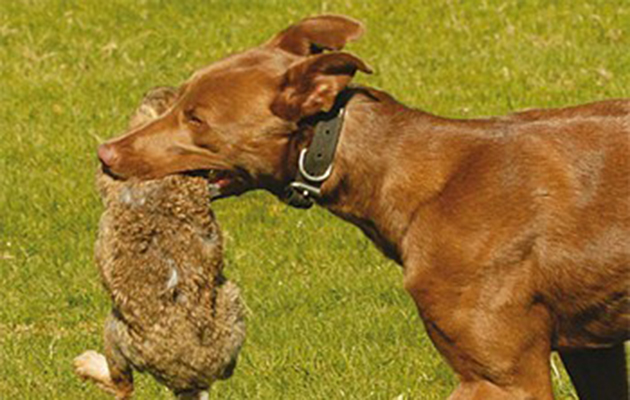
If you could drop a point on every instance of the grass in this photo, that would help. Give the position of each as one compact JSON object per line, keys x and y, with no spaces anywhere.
{"x":328,"y":315}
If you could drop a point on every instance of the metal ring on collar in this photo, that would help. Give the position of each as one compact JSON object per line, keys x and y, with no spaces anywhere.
{"x":312,"y":178}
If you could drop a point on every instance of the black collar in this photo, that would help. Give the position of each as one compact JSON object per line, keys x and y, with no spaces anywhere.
{"x":315,"y":163}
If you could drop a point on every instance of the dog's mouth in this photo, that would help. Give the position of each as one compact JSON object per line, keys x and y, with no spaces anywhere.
{"x":222,"y":183}
{"x":109,"y":172}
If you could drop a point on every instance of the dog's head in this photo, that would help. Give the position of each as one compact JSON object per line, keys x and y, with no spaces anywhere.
{"x":237,"y":117}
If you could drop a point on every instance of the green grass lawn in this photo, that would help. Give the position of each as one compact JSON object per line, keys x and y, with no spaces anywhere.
{"x":328,"y":317}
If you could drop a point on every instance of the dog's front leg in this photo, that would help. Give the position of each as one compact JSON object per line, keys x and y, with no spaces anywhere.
{"x":495,"y":337}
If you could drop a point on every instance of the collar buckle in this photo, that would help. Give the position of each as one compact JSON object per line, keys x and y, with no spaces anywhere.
{"x":315,"y":163}
{"x":313,"y":178}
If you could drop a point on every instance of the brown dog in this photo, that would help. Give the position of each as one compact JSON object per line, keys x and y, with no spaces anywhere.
{"x":513,"y":232}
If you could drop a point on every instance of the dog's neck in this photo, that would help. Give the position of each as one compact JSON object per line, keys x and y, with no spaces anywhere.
{"x":390,"y":162}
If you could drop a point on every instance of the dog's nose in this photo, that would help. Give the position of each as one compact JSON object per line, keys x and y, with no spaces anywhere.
{"x":107,"y":154}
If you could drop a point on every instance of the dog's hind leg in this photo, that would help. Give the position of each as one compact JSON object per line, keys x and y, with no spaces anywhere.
{"x":111,"y":371}
{"x":598,"y":374}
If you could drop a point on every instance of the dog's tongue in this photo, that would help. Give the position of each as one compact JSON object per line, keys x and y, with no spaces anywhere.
{"x":218,"y":178}
{"x":222,"y":182}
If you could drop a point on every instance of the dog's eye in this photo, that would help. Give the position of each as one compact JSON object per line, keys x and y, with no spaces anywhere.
{"x":193,"y":119}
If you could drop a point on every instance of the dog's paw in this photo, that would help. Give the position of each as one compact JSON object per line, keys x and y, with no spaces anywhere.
{"x":93,"y":366}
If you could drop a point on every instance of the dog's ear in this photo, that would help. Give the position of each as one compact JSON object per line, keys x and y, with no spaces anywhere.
{"x":311,"y":85}
{"x":316,"y":34}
